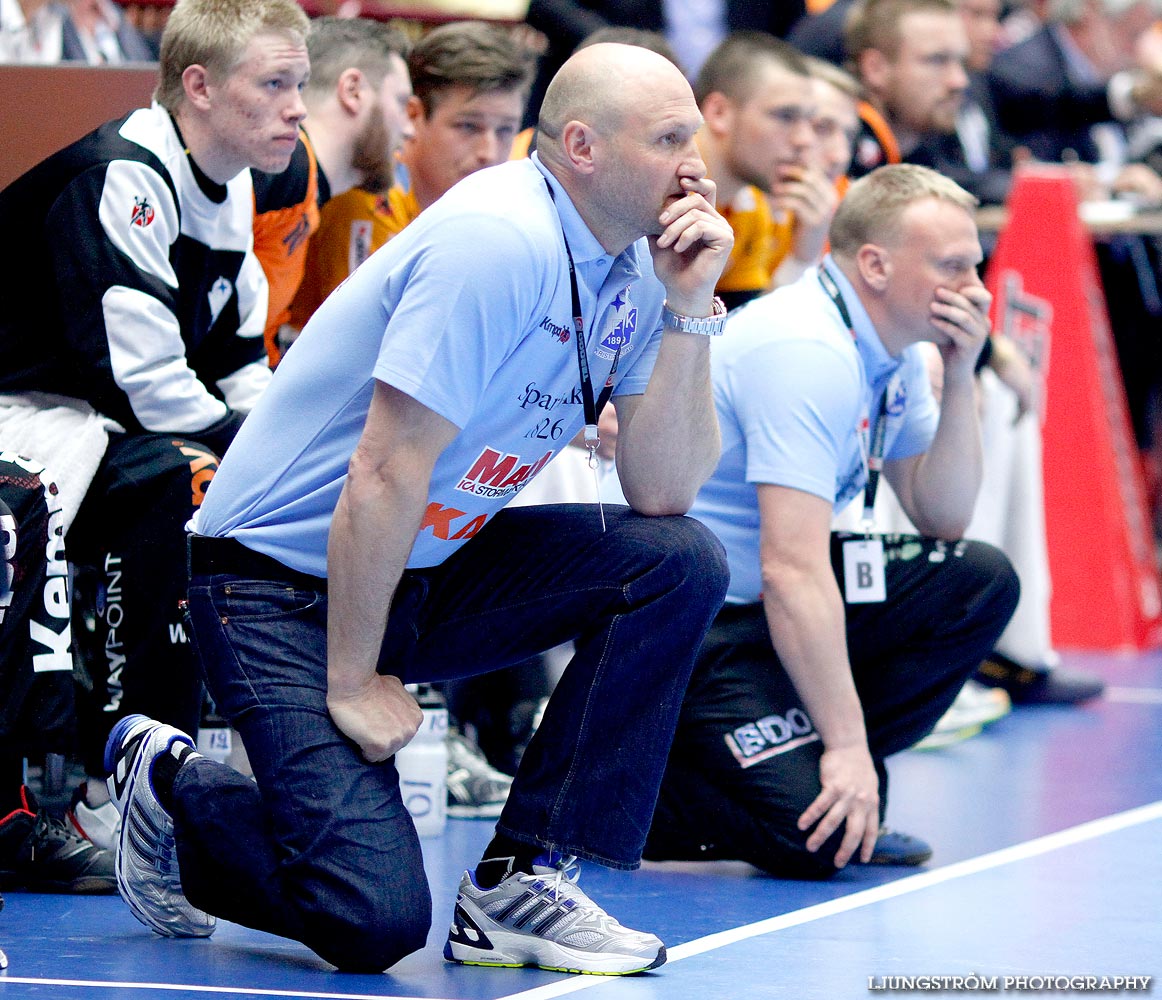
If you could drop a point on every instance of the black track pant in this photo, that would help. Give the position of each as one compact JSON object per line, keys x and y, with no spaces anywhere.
{"x":745,"y":761}
{"x":36,"y":665}
{"x":130,"y":536}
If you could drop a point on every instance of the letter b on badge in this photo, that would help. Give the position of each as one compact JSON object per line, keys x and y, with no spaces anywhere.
{"x":863,"y":571}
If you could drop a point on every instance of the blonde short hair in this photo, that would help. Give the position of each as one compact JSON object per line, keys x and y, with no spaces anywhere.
{"x":871,"y":210}
{"x":214,"y":34}
{"x":836,"y":77}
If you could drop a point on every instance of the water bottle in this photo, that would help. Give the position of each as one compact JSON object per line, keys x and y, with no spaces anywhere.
{"x":423,"y":773}
{"x":215,"y":739}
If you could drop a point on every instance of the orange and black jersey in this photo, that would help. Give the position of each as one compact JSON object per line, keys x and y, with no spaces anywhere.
{"x":286,"y":216}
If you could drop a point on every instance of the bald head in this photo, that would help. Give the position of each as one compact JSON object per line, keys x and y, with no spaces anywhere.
{"x":617,"y":131}
{"x":601,"y":85}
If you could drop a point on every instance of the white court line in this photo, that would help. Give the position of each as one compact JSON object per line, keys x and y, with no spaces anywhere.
{"x":231,"y":990}
{"x":971,"y":866}
{"x":1142,"y":696}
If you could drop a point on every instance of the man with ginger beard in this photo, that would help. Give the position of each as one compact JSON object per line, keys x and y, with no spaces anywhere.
{"x":910,"y":56}
{"x":469,"y":82}
{"x":356,"y":102}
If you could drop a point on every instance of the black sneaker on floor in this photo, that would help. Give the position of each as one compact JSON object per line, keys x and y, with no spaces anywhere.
{"x":40,"y":853}
{"x":895,"y":848}
{"x":1040,"y":686}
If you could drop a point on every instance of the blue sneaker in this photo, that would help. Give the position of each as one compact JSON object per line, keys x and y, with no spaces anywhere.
{"x":895,"y":848}
{"x":147,"y":864}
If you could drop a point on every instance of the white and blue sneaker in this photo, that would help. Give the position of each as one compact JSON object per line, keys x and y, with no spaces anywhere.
{"x":544,"y":919}
{"x":147,"y":864}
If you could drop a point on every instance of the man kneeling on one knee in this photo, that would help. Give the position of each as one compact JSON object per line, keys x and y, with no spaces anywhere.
{"x":834,"y":651}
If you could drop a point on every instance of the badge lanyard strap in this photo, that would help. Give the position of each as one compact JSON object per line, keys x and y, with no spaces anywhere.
{"x":873,"y":457}
{"x":590,"y":406}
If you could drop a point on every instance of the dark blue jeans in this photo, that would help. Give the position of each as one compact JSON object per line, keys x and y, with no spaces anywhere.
{"x":321,"y":849}
{"x":130,"y":533}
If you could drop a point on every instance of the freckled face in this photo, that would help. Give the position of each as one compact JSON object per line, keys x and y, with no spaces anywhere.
{"x":256,"y":109}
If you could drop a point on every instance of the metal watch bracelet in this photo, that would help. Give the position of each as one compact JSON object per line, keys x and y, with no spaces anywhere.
{"x":708,"y":326}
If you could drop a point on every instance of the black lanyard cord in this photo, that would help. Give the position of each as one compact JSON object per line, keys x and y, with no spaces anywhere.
{"x":875,"y":453}
{"x":590,"y":406}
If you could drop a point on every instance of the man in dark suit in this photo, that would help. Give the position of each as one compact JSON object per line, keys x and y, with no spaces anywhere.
{"x":1077,"y":72}
{"x":1066,"y":94}
{"x":98,"y":32}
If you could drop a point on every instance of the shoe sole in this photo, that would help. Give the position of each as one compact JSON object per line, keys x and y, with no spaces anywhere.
{"x":518,"y":951}
{"x":96,"y":885}
{"x":902,"y":860}
{"x":963,"y":720}
{"x":490,"y":811}
{"x":936,"y":741}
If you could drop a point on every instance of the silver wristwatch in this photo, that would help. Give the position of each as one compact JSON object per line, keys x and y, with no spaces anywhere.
{"x":708,"y":326}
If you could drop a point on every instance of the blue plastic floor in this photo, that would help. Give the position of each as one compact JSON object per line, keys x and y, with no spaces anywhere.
{"x":1048,"y":837}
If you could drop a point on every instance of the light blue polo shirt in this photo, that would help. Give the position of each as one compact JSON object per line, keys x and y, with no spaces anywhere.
{"x":792,"y":389}
{"x":468,"y":311}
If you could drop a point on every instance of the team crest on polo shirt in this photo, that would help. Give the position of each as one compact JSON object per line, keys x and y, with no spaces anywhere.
{"x":620,"y":327}
{"x":218,"y":295}
{"x":897,"y":396}
{"x":869,"y":154}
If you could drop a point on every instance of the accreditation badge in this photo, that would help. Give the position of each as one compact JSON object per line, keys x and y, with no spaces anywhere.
{"x":863,"y":571}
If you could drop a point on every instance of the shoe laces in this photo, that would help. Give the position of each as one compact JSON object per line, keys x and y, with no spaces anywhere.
{"x":52,"y":837}
{"x":565,"y":869}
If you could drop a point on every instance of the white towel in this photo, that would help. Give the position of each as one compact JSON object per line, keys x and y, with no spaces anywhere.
{"x":67,"y":435}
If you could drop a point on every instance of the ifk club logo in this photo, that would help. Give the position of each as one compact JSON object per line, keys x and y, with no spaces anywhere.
{"x":622,"y":324}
